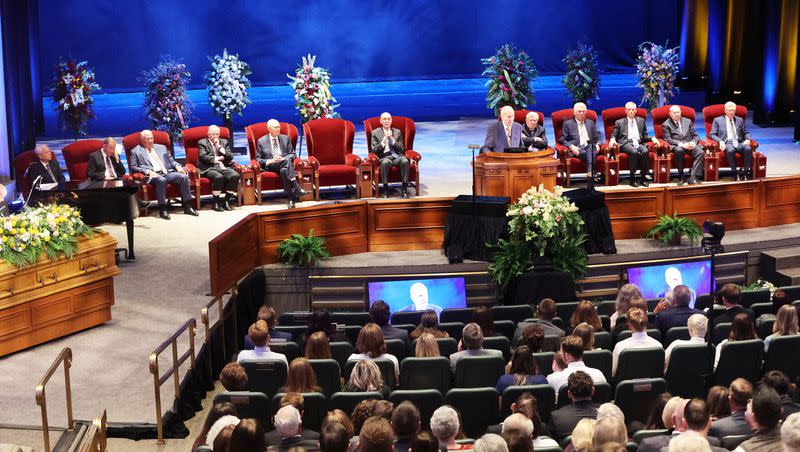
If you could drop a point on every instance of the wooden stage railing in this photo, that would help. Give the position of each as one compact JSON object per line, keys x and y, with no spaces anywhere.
{"x":396,"y":225}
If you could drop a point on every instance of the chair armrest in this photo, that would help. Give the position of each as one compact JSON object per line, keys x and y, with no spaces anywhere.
{"x":663,"y":147}
{"x":372,"y":159}
{"x":753,"y":145}
{"x":710,"y":145}
{"x":413,"y":155}
{"x":612,"y":151}
{"x":139,"y":177}
{"x":563,"y":152}
{"x":300,"y":163}
{"x":238,"y":168}
{"x":255,"y":166}
{"x":127,"y":177}
{"x":352,"y":160}
{"x":194,"y":174}
{"x":313,"y":162}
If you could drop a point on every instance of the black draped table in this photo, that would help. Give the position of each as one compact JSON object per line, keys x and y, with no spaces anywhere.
{"x":596,"y":220}
{"x":474,"y":222}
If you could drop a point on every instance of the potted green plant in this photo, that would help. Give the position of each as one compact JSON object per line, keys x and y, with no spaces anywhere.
{"x":670,"y":229}
{"x":303,"y":251}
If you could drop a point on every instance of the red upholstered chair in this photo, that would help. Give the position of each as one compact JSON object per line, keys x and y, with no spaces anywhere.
{"x":661,"y":114}
{"x":409,"y":131}
{"x":571,"y":164}
{"x":268,"y":180}
{"x":76,"y":156}
{"x":330,"y":152}
{"x":519,"y":118}
{"x":712,"y":147}
{"x":200,"y":185}
{"x":610,"y":116}
{"x":21,"y":164}
{"x":147,"y":192}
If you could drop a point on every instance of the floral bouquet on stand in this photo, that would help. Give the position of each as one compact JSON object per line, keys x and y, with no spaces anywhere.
{"x":312,"y":94}
{"x":657,"y":70}
{"x":582,"y":79}
{"x":73,"y":85}
{"x":510,"y":74}
{"x":165,"y":102}
{"x":50,"y":230}
{"x":227,"y":84}
{"x":544,"y":229}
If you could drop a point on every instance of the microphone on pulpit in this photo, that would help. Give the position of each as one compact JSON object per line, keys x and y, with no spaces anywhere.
{"x":472,"y":147}
{"x":34,"y":186}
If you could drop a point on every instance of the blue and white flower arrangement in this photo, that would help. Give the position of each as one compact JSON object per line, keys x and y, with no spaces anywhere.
{"x":312,"y":93}
{"x":165,"y":102}
{"x":227,"y":83}
{"x":582,"y":79}
{"x":657,"y":70}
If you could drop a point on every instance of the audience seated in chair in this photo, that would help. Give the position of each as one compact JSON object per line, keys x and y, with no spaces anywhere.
{"x":521,"y":370}
{"x":371,"y":345}
{"x":295,"y":400}
{"x":731,"y":295}
{"x":572,"y":354}
{"x":779,"y":298}
{"x":233,"y":377}
{"x":318,"y":346}
{"x":376,"y":436}
{"x":300,"y":378}
{"x":586,"y":332}
{"x":586,"y":312}
{"x":215,"y":162}
{"x":104,"y":164}
{"x":276,"y":154}
{"x":698,"y":327}
{"x":248,"y":435}
{"x":379,"y":312}
{"x":637,"y":320}
{"x":46,"y":167}
{"x":580,"y":389}
{"x":366,"y":409}
{"x":220,"y":416}
{"x":320,"y":320}
{"x":785,"y":324}
{"x":334,"y":437}
{"x":289,"y":426}
{"x":741,"y":330}
{"x":545,"y":313}
{"x":268,"y":314}
{"x":366,"y":376}
{"x":609,"y":430}
{"x":471,"y":344}
{"x":655,"y":420}
{"x":427,"y":347}
{"x":677,"y":314}
{"x":445,"y":426}
{"x":259,"y":334}
{"x":778,"y":381}
{"x":406,"y":424}
{"x":622,"y":304}
{"x":718,"y":404}
{"x":429,"y":323}
{"x":764,"y":416}
{"x":520,"y":422}
{"x":790,"y":433}
{"x":740,"y":392}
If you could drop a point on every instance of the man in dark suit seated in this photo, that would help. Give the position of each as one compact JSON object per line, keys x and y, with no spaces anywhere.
{"x":689,"y":416}
{"x":631,"y":134}
{"x":45,"y":168}
{"x":503,"y":134}
{"x":581,"y":136}
{"x":533,"y":136}
{"x":154,"y":161}
{"x":387,"y":144}
{"x":682,"y":138}
{"x":289,"y":430}
{"x":545,"y":313}
{"x":732,"y":134}
{"x":580,"y":390}
{"x":276,"y":154}
{"x":778,"y":381}
{"x":764,"y":416}
{"x":731,"y":295}
{"x":676,"y":315}
{"x":104,"y":164}
{"x":741,"y":391}
{"x":267,"y":314}
{"x":379,"y":311}
{"x":215,"y":161}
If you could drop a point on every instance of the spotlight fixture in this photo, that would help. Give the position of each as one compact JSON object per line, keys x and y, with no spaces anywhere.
{"x":714,"y":231}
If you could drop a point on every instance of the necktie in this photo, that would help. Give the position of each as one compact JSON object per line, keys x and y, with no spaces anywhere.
{"x":276,"y":152}
{"x":680,"y":129}
{"x":733,"y":132}
{"x":50,"y":172}
{"x":508,"y":135}
{"x":583,"y":134}
{"x":217,"y":153}
{"x":110,"y":169}
{"x":634,"y":132}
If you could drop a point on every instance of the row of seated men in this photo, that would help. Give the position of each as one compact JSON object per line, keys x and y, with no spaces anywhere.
{"x":582,"y":138}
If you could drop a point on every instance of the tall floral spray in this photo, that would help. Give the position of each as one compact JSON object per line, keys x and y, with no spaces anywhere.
{"x":166,"y":105}
{"x":227,"y":83}
{"x":657,"y":70}
{"x":312,"y":94}
{"x":582,"y":79}
{"x":72,"y":88}
{"x":510,"y":73}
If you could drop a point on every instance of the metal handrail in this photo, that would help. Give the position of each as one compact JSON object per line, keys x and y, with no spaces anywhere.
{"x":158,"y":379}
{"x":219,"y":302}
{"x":96,"y":436}
{"x":64,"y":357}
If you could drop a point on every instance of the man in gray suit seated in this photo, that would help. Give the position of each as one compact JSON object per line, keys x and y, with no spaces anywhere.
{"x":276,"y":154}
{"x":732,"y":134}
{"x":471,"y":345}
{"x":741,"y":391}
{"x":387,"y":144}
{"x":504,"y":133}
{"x":630,"y":133}
{"x":154,"y":161}
{"x":214,"y":160}
{"x":580,"y":135}
{"x":680,"y":134}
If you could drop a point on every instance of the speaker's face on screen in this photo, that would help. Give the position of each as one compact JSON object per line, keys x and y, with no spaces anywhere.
{"x":419,"y":295}
{"x":673,"y":277}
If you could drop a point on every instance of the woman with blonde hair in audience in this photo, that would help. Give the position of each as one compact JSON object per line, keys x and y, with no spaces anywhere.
{"x":626,"y":293}
{"x":427,"y":347}
{"x":785,"y":324}
{"x":717,"y":401}
{"x":741,"y":330}
{"x":586,"y":312}
{"x":365,"y":377}
{"x":609,"y":429}
{"x":429,"y":323}
{"x":586,"y":332}
{"x":582,"y":436}
{"x":300,"y":378}
{"x":371,"y":345}
{"x":247,"y":436}
{"x":318,"y":346}
{"x":224,"y":411}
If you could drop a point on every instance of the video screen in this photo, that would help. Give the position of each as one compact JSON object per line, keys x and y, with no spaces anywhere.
{"x":655,"y":280}
{"x":419,"y":294}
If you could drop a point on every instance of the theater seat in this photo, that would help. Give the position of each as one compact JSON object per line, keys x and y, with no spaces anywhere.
{"x":264,"y":375}
{"x":454,"y":329}
{"x":315,"y":407}
{"x":750,"y":297}
{"x":396,"y":347}
{"x":731,"y":365}
{"x":412,"y":317}
{"x":636,"y":397}
{"x":603,"y":340}
{"x":677,"y":332}
{"x":784,"y":355}
{"x":652,"y":332}
{"x":76,"y":157}
{"x":601,"y":360}
{"x":640,"y":363}
{"x":690,"y":369}
{"x":21,"y":164}
{"x":506,"y":328}
{"x":328,"y":375}
{"x":254,"y":405}
{"x":426,"y":401}
{"x":515,"y":313}
{"x":340,"y":351}
{"x":447,"y":346}
{"x":544,"y":361}
{"x":498,"y":343}
{"x":463,"y":315}
{"x":385,"y":365}
{"x":478,"y":407}
{"x":478,"y":371}
{"x":290,"y":349}
{"x":351,"y":318}
{"x":544,"y":394}
{"x":731,"y":442}
{"x":346,"y":401}
{"x":426,"y":373}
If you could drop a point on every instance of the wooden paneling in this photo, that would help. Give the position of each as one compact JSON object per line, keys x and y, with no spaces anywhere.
{"x":780,"y":200}
{"x":633,"y":212}
{"x":407,"y":225}
{"x":232,"y":254}
{"x":735,"y":204}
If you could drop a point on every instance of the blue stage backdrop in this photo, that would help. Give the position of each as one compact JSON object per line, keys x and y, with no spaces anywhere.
{"x":356,"y":40}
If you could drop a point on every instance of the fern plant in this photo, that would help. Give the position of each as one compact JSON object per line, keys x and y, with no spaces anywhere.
{"x":670,"y":229}
{"x":303,"y":251}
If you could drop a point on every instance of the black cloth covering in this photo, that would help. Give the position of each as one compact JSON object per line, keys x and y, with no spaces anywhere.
{"x":474,"y":223}
{"x":597,"y":221}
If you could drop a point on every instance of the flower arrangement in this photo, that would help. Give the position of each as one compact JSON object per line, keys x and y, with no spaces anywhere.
{"x":165,"y":102}
{"x":510,"y":74}
{"x":312,"y":94}
{"x":52,"y":230}
{"x":73,"y":85}
{"x":303,"y":251}
{"x":543,"y":226}
{"x":227,"y":84}
{"x":761,"y":283}
{"x":582,"y":79}
{"x":657,"y":70}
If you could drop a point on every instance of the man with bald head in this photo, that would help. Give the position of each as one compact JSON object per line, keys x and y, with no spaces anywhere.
{"x":215,"y":161}
{"x":387,"y":144}
{"x":732,"y":134}
{"x":154,"y":161}
{"x":680,"y":134}
{"x":581,"y":136}
{"x":104,"y":164}
{"x":275,"y":153}
{"x":630,"y":133}
{"x":503,"y":134}
{"x":533,"y":136}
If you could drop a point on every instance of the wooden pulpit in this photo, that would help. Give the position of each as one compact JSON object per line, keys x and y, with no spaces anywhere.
{"x":512,"y":174}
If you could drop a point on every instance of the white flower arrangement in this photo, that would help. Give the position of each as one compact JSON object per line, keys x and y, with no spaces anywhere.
{"x":228,"y":83}
{"x":312,"y":95}
{"x":541,"y":214}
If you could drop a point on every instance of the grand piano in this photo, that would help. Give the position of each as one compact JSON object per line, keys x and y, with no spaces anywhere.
{"x":110,"y":201}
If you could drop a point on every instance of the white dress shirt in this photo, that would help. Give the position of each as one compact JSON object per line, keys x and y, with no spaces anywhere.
{"x":261,"y":353}
{"x":633,"y":132}
{"x":583,"y":135}
{"x":677,"y":342}
{"x":110,"y":173}
{"x":731,"y":131}
{"x":559,"y":379}
{"x":638,"y":339}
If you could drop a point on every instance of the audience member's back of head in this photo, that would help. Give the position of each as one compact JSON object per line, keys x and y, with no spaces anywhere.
{"x":424,"y":442}
{"x":586,"y":333}
{"x":445,"y":423}
{"x":609,"y":429}
{"x":717,"y":400}
{"x":610,"y":409}
{"x":654,"y":421}
{"x":483,"y":316}
{"x":790,"y":433}
{"x":363,"y":410}
{"x":742,"y":328}
{"x":580,"y":385}
{"x":288,"y":421}
{"x":546,"y":309}
{"x":471,"y":337}
{"x":318,"y":346}
{"x":259,"y":333}
{"x":582,"y":434}
{"x":334,"y":438}
{"x":379,"y":312}
{"x":320,"y":320}
{"x":267,"y":314}
{"x":573,"y":346}
{"x":689,"y":442}
{"x":698,"y":325}
{"x":294,"y":399}
{"x":637,"y":320}
{"x":518,"y":441}
{"x":626,"y":293}
{"x":248,"y":436}
{"x":612,"y":446}
{"x":217,"y":411}
{"x":376,"y":436}
{"x":520,"y":422}
{"x":533,"y":337}
{"x":405,"y":419}
{"x":233,"y":377}
{"x":766,"y":407}
{"x":681,"y":296}
{"x":696,"y":415}
{"x":779,"y":298}
{"x":223,"y":439}
{"x":338,"y":416}
{"x":490,"y":443}
{"x":741,"y":391}
{"x":731,"y":293}
{"x":777,"y":380}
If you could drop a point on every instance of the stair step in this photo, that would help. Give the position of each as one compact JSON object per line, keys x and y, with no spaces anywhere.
{"x":783,"y":258}
{"x":788,"y":276}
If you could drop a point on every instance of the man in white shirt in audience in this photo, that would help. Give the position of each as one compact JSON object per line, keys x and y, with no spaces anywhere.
{"x":637,"y":321}
{"x":259,"y":334}
{"x":572,"y":351}
{"x":698,"y":325}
